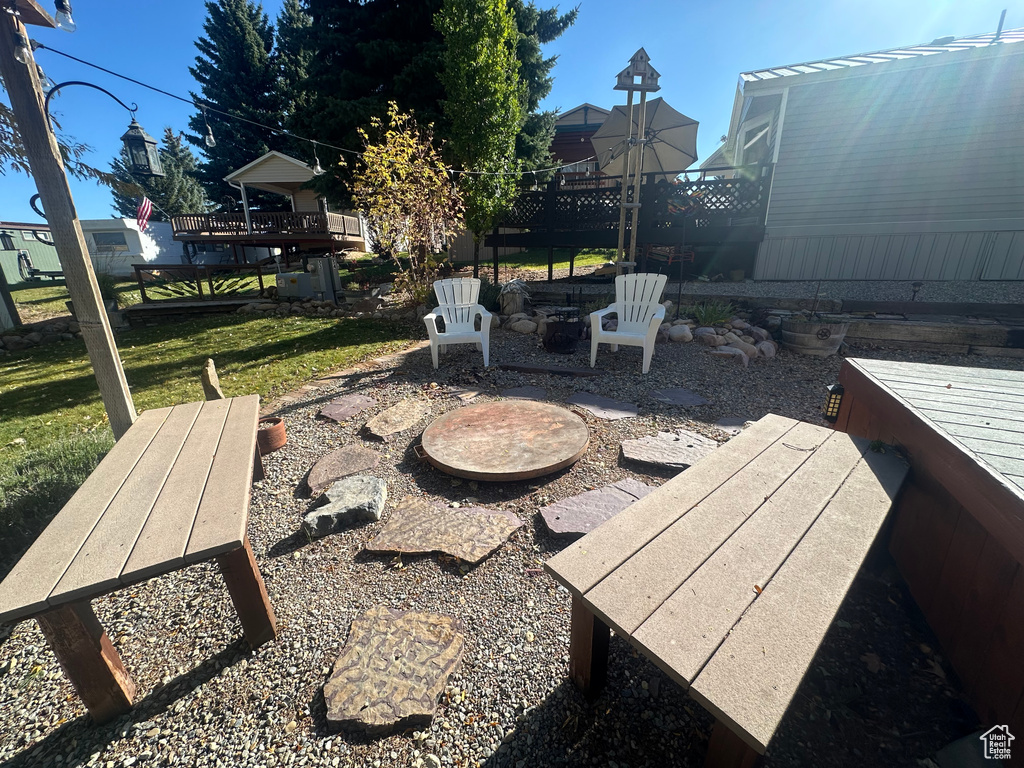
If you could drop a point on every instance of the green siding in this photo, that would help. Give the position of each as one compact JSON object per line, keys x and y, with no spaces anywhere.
{"x":43,"y":256}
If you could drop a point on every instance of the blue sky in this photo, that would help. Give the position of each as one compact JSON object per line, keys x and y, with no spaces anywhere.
{"x":698,"y":47}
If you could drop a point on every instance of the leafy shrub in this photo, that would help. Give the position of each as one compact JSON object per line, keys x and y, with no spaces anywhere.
{"x":36,"y":483}
{"x":711,"y":312}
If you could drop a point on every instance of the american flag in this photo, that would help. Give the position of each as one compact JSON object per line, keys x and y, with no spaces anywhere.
{"x":143,"y":214}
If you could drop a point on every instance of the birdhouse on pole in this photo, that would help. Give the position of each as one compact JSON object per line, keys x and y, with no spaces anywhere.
{"x":639,"y":75}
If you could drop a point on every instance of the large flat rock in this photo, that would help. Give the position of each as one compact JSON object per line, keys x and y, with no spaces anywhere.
{"x":348,"y":460}
{"x":418,"y":527}
{"x":392,"y":670}
{"x":603,"y":407}
{"x":668,"y":450}
{"x":397,"y":418}
{"x":678,"y":396}
{"x":344,"y":408}
{"x":579,"y":515}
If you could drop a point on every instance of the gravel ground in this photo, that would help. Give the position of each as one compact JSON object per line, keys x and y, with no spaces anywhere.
{"x":203,"y":699}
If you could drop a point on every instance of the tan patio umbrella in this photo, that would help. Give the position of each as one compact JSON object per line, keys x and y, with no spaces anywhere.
{"x":668,"y":139}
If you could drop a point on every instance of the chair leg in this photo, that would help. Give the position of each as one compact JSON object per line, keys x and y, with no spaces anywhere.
{"x":648,"y":354}
{"x":614,"y":347}
{"x":485,"y":347}
{"x":433,"y":354}
{"x":593,"y":352}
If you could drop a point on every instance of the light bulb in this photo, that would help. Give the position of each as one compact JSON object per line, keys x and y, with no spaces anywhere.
{"x":22,"y":52}
{"x":317,"y":169}
{"x":210,"y":141}
{"x":63,"y":16}
{"x":45,"y":82}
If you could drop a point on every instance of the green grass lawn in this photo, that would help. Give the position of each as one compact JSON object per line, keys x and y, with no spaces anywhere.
{"x":537,"y":258}
{"x":49,"y":392}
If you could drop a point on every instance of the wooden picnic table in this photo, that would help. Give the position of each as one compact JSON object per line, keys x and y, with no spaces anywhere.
{"x":728,"y":576}
{"x":173,"y":491}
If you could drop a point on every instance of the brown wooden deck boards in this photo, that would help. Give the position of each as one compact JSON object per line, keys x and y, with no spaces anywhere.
{"x":958,"y":533}
{"x":166,"y":489}
{"x":761,"y":539}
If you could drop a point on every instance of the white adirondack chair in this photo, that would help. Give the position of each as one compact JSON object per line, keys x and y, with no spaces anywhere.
{"x":640,"y":315}
{"x":458,"y":307}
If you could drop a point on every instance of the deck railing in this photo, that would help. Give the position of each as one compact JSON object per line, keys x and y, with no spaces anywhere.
{"x":185,"y":282}
{"x":714,"y":197}
{"x":316,"y":223}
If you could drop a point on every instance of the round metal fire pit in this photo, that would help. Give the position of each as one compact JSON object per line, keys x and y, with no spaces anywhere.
{"x":505,"y":440}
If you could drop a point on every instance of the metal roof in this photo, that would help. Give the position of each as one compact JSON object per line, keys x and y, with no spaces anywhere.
{"x":941,"y":45}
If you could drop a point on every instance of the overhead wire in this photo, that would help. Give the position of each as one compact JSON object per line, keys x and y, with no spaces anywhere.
{"x":203,"y":105}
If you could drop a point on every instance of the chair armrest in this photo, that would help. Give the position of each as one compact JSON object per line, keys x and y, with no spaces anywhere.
{"x":430,"y":320}
{"x":478,"y":309}
{"x":602,"y":312}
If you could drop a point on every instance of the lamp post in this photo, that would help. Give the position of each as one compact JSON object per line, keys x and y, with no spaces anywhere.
{"x":22,"y":81}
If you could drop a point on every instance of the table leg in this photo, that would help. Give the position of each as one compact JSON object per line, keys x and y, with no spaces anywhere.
{"x":249,"y":594}
{"x":727,"y":750}
{"x":89,"y":660}
{"x":588,"y":649}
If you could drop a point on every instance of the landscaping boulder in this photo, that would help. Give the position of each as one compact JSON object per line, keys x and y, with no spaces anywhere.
{"x":15,"y":343}
{"x":351,"y":500}
{"x":523,"y":326}
{"x":748,"y":349}
{"x":760,"y":334}
{"x":211,"y":382}
{"x":711,"y":340}
{"x":680,"y":333}
{"x":766,"y":349}
{"x":732,"y":353}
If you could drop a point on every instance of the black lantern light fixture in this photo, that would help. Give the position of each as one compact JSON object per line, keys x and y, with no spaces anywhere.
{"x":143,"y":156}
{"x":834,"y":401}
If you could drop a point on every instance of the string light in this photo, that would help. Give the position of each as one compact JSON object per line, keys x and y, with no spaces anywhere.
{"x":63,"y":16}
{"x":317,"y":168}
{"x":22,"y":52}
{"x":212,"y":142}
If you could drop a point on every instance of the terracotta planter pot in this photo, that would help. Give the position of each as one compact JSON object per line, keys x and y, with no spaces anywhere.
{"x":270,"y":436}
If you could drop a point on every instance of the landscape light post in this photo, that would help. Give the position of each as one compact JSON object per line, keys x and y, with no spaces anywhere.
{"x":22,"y":81}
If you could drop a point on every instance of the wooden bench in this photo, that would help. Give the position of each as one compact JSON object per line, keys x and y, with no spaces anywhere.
{"x":173,"y":491}
{"x":729,"y":575}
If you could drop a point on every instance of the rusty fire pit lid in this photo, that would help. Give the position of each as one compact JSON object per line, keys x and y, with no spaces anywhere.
{"x":505,"y":440}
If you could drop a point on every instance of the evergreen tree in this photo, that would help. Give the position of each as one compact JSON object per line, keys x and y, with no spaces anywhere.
{"x":177,"y":192}
{"x":293,"y":59}
{"x":237,"y":74}
{"x":537,"y":27}
{"x":367,"y":53}
{"x":484,"y":106}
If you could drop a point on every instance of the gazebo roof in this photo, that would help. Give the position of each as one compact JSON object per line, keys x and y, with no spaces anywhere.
{"x":273,"y":172}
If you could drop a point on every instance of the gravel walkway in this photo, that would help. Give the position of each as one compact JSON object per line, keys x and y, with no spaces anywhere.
{"x":204,"y":700}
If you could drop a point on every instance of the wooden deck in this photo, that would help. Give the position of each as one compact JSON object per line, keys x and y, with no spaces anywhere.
{"x":958,"y":533}
{"x":270,"y":227}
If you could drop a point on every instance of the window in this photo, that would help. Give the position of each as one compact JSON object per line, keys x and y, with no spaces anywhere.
{"x":109,"y":242}
{"x":754,"y":141}
{"x":36,"y":234}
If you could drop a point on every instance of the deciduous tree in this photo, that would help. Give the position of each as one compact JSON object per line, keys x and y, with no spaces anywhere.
{"x":484,"y":106}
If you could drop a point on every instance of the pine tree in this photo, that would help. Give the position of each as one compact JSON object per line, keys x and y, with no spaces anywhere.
{"x":236,"y":73}
{"x":537,"y":27}
{"x":177,"y":192}
{"x":484,"y":106}
{"x":367,"y":53}
{"x":293,"y":57}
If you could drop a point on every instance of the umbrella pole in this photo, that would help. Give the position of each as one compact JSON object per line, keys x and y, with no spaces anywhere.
{"x":625,"y":182}
{"x":634,"y":214}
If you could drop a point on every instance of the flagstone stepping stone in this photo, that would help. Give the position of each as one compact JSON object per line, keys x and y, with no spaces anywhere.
{"x":416,"y":526}
{"x":525,"y":393}
{"x":344,"y":408}
{"x":733,"y":425}
{"x":672,"y":451}
{"x":397,"y":418}
{"x":349,"y":460}
{"x":579,"y":515}
{"x":603,"y":407}
{"x":678,"y":396}
{"x":465,"y":395}
{"x":356,"y":499}
{"x":392,"y":670}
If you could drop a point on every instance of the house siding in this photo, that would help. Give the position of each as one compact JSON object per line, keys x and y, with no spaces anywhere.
{"x":274,"y":169}
{"x":306,"y":200}
{"x":43,"y":256}
{"x":900,"y":171}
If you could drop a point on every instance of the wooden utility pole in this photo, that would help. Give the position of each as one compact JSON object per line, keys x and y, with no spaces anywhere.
{"x":26,"y":94}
